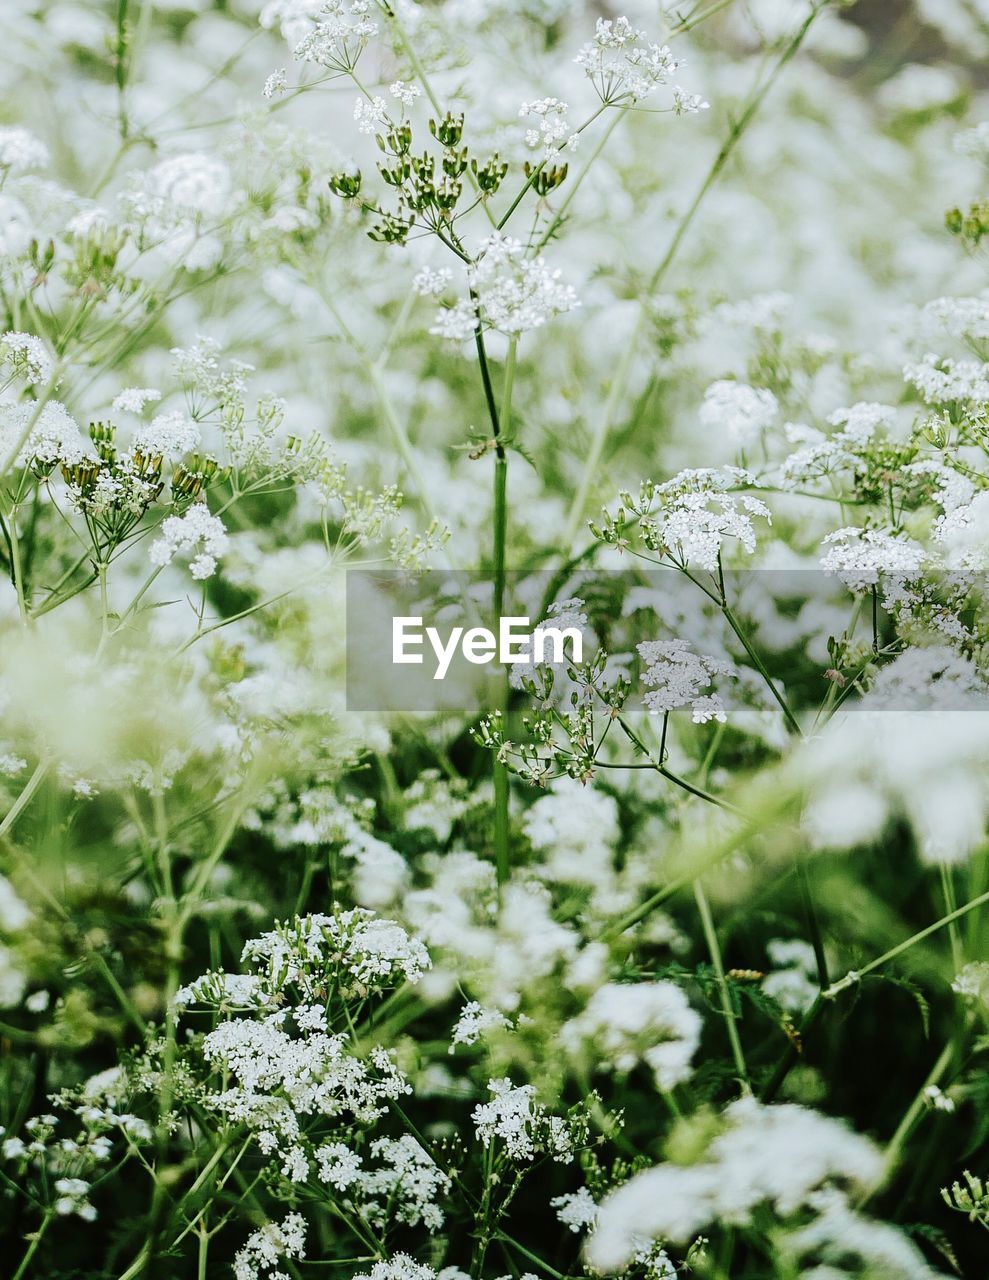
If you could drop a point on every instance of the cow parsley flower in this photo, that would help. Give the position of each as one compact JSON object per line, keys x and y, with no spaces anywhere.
{"x":963,"y":533}
{"x":743,"y":411}
{"x":267,"y":1246}
{"x":404,"y":92}
{"x":405,"y":1188}
{"x":171,"y":434}
{"x":524,"y":1125}
{"x":690,"y":516}
{"x":54,"y":439}
{"x":197,"y":534}
{"x":550,"y":131}
{"x":576,"y":1210}
{"x":474,"y":1021}
{"x":370,"y":116}
{"x":514,"y":293}
{"x":627,"y":1023}
{"x":26,"y":355}
{"x":680,"y":678}
{"x":940,"y":380}
{"x":275,"y":83}
{"x":20,"y":150}
{"x":778,"y":1156}
{"x":858,"y":556}
{"x":339,"y":37}
{"x":624,"y":67}
{"x":134,"y":399}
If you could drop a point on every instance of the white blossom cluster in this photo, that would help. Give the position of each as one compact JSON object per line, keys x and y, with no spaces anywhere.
{"x":678,"y":677}
{"x":511,"y":291}
{"x":196,"y":533}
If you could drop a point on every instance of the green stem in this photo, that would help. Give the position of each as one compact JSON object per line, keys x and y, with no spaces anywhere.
{"x":714,"y":950}
{"x":22,"y":801}
{"x":850,"y":979}
{"x":33,"y":1246}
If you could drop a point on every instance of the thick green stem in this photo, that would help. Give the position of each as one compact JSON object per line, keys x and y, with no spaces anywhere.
{"x":714,"y":951}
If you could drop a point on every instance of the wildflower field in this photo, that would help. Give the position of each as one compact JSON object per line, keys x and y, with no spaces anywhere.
{"x":660,"y":953}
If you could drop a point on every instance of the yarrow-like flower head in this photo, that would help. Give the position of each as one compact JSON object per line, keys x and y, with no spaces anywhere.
{"x":624,"y":68}
{"x":678,"y":677}
{"x":20,"y":150}
{"x":198,"y":534}
{"x":514,"y":293}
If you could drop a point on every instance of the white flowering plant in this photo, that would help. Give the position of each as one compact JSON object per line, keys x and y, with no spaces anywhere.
{"x":667,"y":324}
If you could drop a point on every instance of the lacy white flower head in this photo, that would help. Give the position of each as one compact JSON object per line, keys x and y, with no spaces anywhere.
{"x":20,"y":150}
{"x":407,"y":1186}
{"x":940,"y":380}
{"x":514,"y":293}
{"x":275,"y":83}
{"x":778,"y":1156}
{"x":960,"y":317}
{"x":134,"y":399}
{"x":860,"y":427}
{"x":576,"y":1210}
{"x":294,"y":19}
{"x":742,"y":411}
{"x":188,"y":187}
{"x":792,"y":981}
{"x":962,"y":534}
{"x":339,"y":37}
{"x":562,"y":616}
{"x":680,"y":678}
{"x":202,"y":371}
{"x":972,"y":982}
{"x":930,"y":677}
{"x":514,"y":1118}
{"x":267,"y":1246}
{"x":171,"y":434}
{"x":348,"y":947}
{"x":622,"y":66}
{"x":689,"y":517}
{"x":399,"y":1267}
{"x":627,"y":1023}
{"x":371,"y":115}
{"x":860,"y":556}
{"x":26,"y":356}
{"x":549,"y":133}
{"x":196,"y":534}
{"x":474,"y":1021}
{"x":53,"y":439}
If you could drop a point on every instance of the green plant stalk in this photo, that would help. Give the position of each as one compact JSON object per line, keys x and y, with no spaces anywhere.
{"x":714,"y":951}
{"x":24,"y":799}
{"x":850,"y":979}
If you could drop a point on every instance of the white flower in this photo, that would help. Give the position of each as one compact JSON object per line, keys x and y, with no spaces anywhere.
{"x":20,"y":150}
{"x":171,"y":434}
{"x":474,"y":1021}
{"x":859,"y":556}
{"x":577,"y":1210}
{"x":197,"y":533}
{"x":432,"y":284}
{"x":514,"y":292}
{"x":134,"y":399}
{"x":551,"y":132}
{"x":55,"y":437}
{"x":370,"y":116}
{"x":338,"y":1166}
{"x":681,"y":678}
{"x":191,"y":185}
{"x":339,"y":38}
{"x":774,"y":1155}
{"x":743,"y":411}
{"x":627,"y":1023}
{"x":624,"y":67}
{"x":405,"y":93}
{"x":696,"y":514}
{"x":277,"y":82}
{"x":27,"y":356}
{"x":939,"y":380}
{"x":268,"y":1245}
